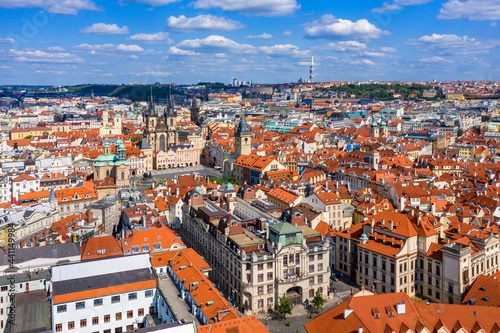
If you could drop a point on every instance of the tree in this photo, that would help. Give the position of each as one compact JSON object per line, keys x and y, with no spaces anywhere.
{"x":460,"y":132}
{"x":318,"y":301}
{"x":284,"y":307}
{"x":45,"y":133}
{"x":135,"y":139}
{"x":28,"y":136}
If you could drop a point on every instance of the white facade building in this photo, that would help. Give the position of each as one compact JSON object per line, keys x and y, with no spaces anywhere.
{"x":109,"y":295}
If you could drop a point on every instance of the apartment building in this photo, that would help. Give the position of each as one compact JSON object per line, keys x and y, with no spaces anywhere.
{"x":256,"y":262}
{"x":24,"y":183}
{"x":330,"y":206}
{"x":108,"y":295}
{"x":395,"y":252}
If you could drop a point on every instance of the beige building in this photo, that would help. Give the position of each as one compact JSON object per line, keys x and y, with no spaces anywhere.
{"x":177,"y":157}
{"x":19,"y":133}
{"x":109,"y":128}
{"x":394,"y":252}
{"x":256,"y":266}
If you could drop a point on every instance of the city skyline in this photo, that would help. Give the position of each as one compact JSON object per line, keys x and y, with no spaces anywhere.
{"x":84,"y":41}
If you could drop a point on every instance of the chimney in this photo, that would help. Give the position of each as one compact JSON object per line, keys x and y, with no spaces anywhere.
{"x":383,"y":223}
{"x":360,"y":329}
{"x":419,"y":217}
{"x":390,"y":225}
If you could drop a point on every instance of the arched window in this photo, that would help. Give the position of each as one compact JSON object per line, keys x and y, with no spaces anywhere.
{"x":171,"y":122}
{"x":107,"y":173}
{"x":123,"y":175}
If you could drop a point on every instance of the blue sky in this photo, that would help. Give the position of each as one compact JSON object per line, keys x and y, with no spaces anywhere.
{"x":267,"y":41}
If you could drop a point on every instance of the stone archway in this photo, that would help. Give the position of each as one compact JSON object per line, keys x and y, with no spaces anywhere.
{"x":294,"y":295}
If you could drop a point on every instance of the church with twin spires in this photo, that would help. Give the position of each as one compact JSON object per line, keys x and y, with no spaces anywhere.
{"x":161,"y":128}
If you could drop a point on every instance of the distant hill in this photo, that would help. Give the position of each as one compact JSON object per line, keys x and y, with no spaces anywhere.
{"x":133,"y":92}
{"x":98,"y":89}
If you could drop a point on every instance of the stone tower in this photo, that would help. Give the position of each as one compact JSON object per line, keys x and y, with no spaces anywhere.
{"x":243,"y":138}
{"x":195,"y":112}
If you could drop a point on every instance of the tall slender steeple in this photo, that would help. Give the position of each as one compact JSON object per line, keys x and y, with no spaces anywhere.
{"x":170,"y":104}
{"x":151,"y":103}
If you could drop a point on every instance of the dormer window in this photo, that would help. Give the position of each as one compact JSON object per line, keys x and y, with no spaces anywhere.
{"x":376,"y":313}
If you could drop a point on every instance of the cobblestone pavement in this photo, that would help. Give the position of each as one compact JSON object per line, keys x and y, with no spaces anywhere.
{"x":299,"y":317}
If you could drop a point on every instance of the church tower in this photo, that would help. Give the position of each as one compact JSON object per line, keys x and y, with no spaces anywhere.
{"x":195,"y":112}
{"x":374,"y":129}
{"x":171,"y":123}
{"x":243,"y":138}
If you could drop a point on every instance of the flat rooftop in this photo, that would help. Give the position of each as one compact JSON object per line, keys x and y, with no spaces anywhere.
{"x":102,"y":281}
{"x":32,"y":313}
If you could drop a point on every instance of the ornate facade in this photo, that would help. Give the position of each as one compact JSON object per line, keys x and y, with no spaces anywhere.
{"x":161,"y":129}
{"x":111,"y":171}
{"x":110,"y":128}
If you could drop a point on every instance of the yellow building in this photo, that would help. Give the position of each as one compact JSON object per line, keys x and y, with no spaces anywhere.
{"x":455,"y":95}
{"x":466,"y":151}
{"x":20,"y":133}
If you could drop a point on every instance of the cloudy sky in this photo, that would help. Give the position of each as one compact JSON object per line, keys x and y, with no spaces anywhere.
{"x":266,"y":41}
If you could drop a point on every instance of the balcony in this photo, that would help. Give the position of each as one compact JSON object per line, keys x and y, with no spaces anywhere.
{"x":293,"y":278}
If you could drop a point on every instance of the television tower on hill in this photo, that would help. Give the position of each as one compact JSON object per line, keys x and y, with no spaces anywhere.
{"x":311,"y":70}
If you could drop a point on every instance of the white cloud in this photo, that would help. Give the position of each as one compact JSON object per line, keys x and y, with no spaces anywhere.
{"x":363,"y":62}
{"x":55,"y":49}
{"x":474,"y":10}
{"x":373,"y":54}
{"x":261,"y":36}
{"x":398,"y":5}
{"x":328,"y":26}
{"x":153,"y":73}
{"x":133,"y":57}
{"x":342,"y":46}
{"x":287,"y":33}
{"x":107,"y":49}
{"x":157,"y":38}
{"x":435,"y":59}
{"x":254,"y":7}
{"x":452,"y":44}
{"x":216,"y":43}
{"x":5,"y":67}
{"x":202,"y":22}
{"x":388,"y":49}
{"x":155,"y":3}
{"x":42,"y":56}
{"x":7,"y":40}
{"x":43,"y":71}
{"x":53,"y":6}
{"x":176,"y":51}
{"x":105,"y":29}
{"x":283,"y":49}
